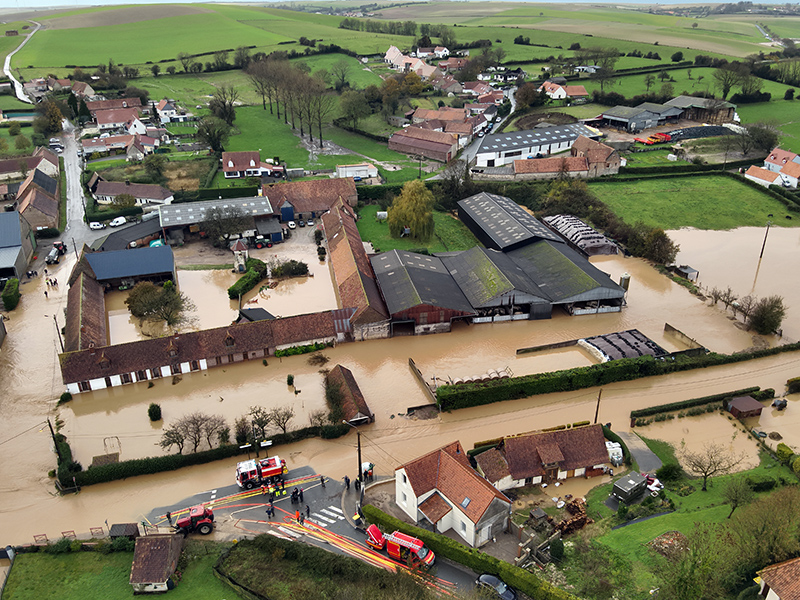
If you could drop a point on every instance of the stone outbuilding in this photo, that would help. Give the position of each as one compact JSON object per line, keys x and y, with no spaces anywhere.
{"x":354,"y":406}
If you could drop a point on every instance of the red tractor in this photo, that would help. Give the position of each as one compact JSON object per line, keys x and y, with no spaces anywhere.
{"x":200,"y":519}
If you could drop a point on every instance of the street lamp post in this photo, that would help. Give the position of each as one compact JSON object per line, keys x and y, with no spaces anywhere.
{"x":358,"y":434}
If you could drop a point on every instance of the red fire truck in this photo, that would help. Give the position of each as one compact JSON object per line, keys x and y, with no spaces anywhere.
{"x":400,"y":546}
{"x":252,"y":473}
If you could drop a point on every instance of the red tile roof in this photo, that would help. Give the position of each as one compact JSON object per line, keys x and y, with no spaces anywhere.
{"x":783,"y":579}
{"x":116,"y":115}
{"x":493,"y":465}
{"x":86,"y":314}
{"x":312,"y":196}
{"x":240,"y":161}
{"x":763,"y":174}
{"x":352,"y":270}
{"x":155,"y":558}
{"x":792,"y":169}
{"x":780,"y":157}
{"x":448,"y":471}
{"x":571,"y":448}
{"x":572,"y":164}
{"x":435,"y":508}
{"x":137,"y":190}
{"x":353,"y":404}
{"x":426,"y":135}
{"x":595,"y":152}
{"x":95,"y":105}
{"x":576,"y":91}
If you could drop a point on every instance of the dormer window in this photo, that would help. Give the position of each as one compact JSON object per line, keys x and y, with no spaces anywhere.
{"x":229,"y":341}
{"x":173,"y":352}
{"x":105,"y":363}
{"x":252,"y":163}
{"x":230,"y":163}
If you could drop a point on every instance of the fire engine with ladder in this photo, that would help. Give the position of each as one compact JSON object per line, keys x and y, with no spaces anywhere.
{"x":252,"y":473}
{"x":400,"y":546}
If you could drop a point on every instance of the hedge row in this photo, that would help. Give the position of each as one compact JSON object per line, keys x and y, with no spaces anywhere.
{"x":92,"y":214}
{"x":214,"y":193}
{"x":171,"y":462}
{"x":341,"y":123}
{"x":525,"y":581}
{"x":297,"y":350}
{"x":672,"y":406}
{"x":450,"y":397}
{"x":244,"y":284}
{"x":11,"y":294}
{"x":793,"y":385}
{"x":684,"y":167}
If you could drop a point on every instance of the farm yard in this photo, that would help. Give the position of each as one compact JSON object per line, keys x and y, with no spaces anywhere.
{"x":702,"y":202}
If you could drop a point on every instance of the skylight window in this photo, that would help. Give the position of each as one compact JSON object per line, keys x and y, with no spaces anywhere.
{"x":465,"y":502}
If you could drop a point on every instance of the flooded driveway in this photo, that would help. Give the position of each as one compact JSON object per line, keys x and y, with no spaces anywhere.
{"x":100,"y":420}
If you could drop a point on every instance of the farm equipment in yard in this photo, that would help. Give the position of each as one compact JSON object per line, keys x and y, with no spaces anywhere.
{"x":200,"y":519}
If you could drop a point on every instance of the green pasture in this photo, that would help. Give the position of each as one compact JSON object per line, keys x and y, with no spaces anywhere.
{"x":8,"y":43}
{"x":96,"y":576}
{"x":449,"y":234}
{"x":192,"y":89}
{"x":703,"y":202}
{"x":357,"y":143}
{"x":358,"y":77}
{"x":702,"y":80}
{"x":651,"y":158}
{"x":784,"y":26}
{"x":10,"y":103}
{"x":258,"y":130}
{"x":785,"y":114}
{"x":11,"y":151}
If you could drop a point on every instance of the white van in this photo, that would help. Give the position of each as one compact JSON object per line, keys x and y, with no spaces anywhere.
{"x":118,"y":222}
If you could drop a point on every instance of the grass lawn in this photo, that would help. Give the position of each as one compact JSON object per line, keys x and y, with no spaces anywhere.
{"x":359,"y":77}
{"x":95,"y":576}
{"x":11,"y":149}
{"x":450,"y":234}
{"x":264,"y":132}
{"x":649,"y":159}
{"x":705,"y":202}
{"x":371,"y":148}
{"x":10,"y":103}
{"x":785,"y":114}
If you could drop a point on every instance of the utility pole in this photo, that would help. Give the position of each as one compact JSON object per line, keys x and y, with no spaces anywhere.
{"x":55,"y":443}
{"x":597,"y":410}
{"x":75,"y":247}
{"x":58,"y":333}
{"x":765,"y":240}
{"x":358,"y":434}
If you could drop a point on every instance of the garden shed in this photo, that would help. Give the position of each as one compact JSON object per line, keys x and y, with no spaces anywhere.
{"x":743,"y":407}
{"x":154,"y":562}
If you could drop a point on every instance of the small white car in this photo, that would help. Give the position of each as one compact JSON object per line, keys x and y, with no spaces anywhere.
{"x":96,"y":225}
{"x":118,"y":222}
{"x":291,"y":225}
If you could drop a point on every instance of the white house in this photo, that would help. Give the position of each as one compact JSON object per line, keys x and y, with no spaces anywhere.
{"x":762,"y":176}
{"x":393,"y":56}
{"x":441,"y":52}
{"x":780,"y":581}
{"x":441,"y":488}
{"x":362,"y":170}
{"x":166,"y":111}
{"x":778,"y":159}
{"x":545,"y":456}
{"x":135,"y":127}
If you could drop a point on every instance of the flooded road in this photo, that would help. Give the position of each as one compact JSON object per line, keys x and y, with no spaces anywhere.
{"x":731,"y":258}
{"x":101,"y":421}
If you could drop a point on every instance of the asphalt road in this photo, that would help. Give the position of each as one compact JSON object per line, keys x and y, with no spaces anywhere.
{"x":242,"y":513}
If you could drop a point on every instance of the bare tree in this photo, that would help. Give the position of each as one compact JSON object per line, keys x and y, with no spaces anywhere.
{"x":340,"y":73}
{"x":737,"y":493}
{"x":712,"y":460}
{"x":280,"y":417}
{"x":318,"y":418}
{"x":727,"y":77}
{"x":715,"y":294}
{"x":223,"y":103}
{"x":186,"y":60}
{"x":728,"y":297}
{"x":193,"y":426}
{"x":322,"y":106}
{"x":262,"y":76}
{"x":212,"y":427}
{"x":173,"y":436}
{"x":261,"y":418}
{"x":747,"y":304}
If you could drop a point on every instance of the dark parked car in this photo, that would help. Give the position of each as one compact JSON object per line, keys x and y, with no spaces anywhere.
{"x":495,"y":586}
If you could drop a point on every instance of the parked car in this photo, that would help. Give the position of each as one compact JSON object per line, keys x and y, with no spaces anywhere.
{"x":301,"y":223}
{"x":118,"y":222}
{"x":52,"y":257}
{"x":495,"y":585}
{"x":96,"y":225}
{"x":291,"y":224}
{"x":310,"y":222}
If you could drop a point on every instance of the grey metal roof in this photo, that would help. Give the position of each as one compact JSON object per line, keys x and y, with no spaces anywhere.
{"x":485,"y":275}
{"x":625,"y":112}
{"x":118,"y":264}
{"x":687,"y":101}
{"x":255,"y":314}
{"x":10,"y":230}
{"x":268,"y":226}
{"x":190,"y":213}
{"x":563,"y":274}
{"x":121,"y":238}
{"x":407,"y":280}
{"x":578,"y":232}
{"x":8,"y":257}
{"x":661,"y":109}
{"x":504,"y":142}
{"x":504,"y":220}
{"x":47,"y":183}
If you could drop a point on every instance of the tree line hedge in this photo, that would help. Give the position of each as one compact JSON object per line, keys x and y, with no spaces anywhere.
{"x":613,"y":437}
{"x":672,"y":406}
{"x":451,"y":397}
{"x":11,"y":294}
{"x":93,"y":214}
{"x":525,"y":581}
{"x":684,"y":167}
{"x":244,"y":284}
{"x":171,"y":462}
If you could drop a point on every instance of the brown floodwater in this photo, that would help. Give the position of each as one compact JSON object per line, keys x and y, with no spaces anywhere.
{"x":731,"y":258}
{"x":116,"y":419}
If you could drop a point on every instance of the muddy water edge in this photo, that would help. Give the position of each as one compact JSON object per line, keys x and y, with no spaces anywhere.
{"x":99,"y":421}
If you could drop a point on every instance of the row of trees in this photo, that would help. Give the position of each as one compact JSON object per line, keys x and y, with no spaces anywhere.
{"x":764,"y":315}
{"x":193,"y":431}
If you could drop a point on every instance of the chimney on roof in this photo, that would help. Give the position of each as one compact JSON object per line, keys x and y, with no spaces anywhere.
{"x":127,"y":182}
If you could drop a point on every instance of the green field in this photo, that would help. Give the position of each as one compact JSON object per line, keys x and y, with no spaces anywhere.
{"x":10,"y":103}
{"x":11,"y":150}
{"x":705,"y":202}
{"x":96,"y":576}
{"x":785,"y":114}
{"x":650,"y":158}
{"x":450,"y":234}
{"x":702,"y":80}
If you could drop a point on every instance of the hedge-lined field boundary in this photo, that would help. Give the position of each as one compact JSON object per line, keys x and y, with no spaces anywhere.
{"x":526,"y":582}
{"x":673,"y":406}
{"x":451,"y":397}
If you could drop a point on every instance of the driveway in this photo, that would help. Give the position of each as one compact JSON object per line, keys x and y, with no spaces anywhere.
{"x":648,"y":462}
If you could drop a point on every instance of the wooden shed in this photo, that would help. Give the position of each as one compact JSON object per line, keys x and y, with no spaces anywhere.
{"x":154,"y":562}
{"x":743,"y":407}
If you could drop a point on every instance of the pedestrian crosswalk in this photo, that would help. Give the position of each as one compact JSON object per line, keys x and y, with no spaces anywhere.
{"x":327,"y":516}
